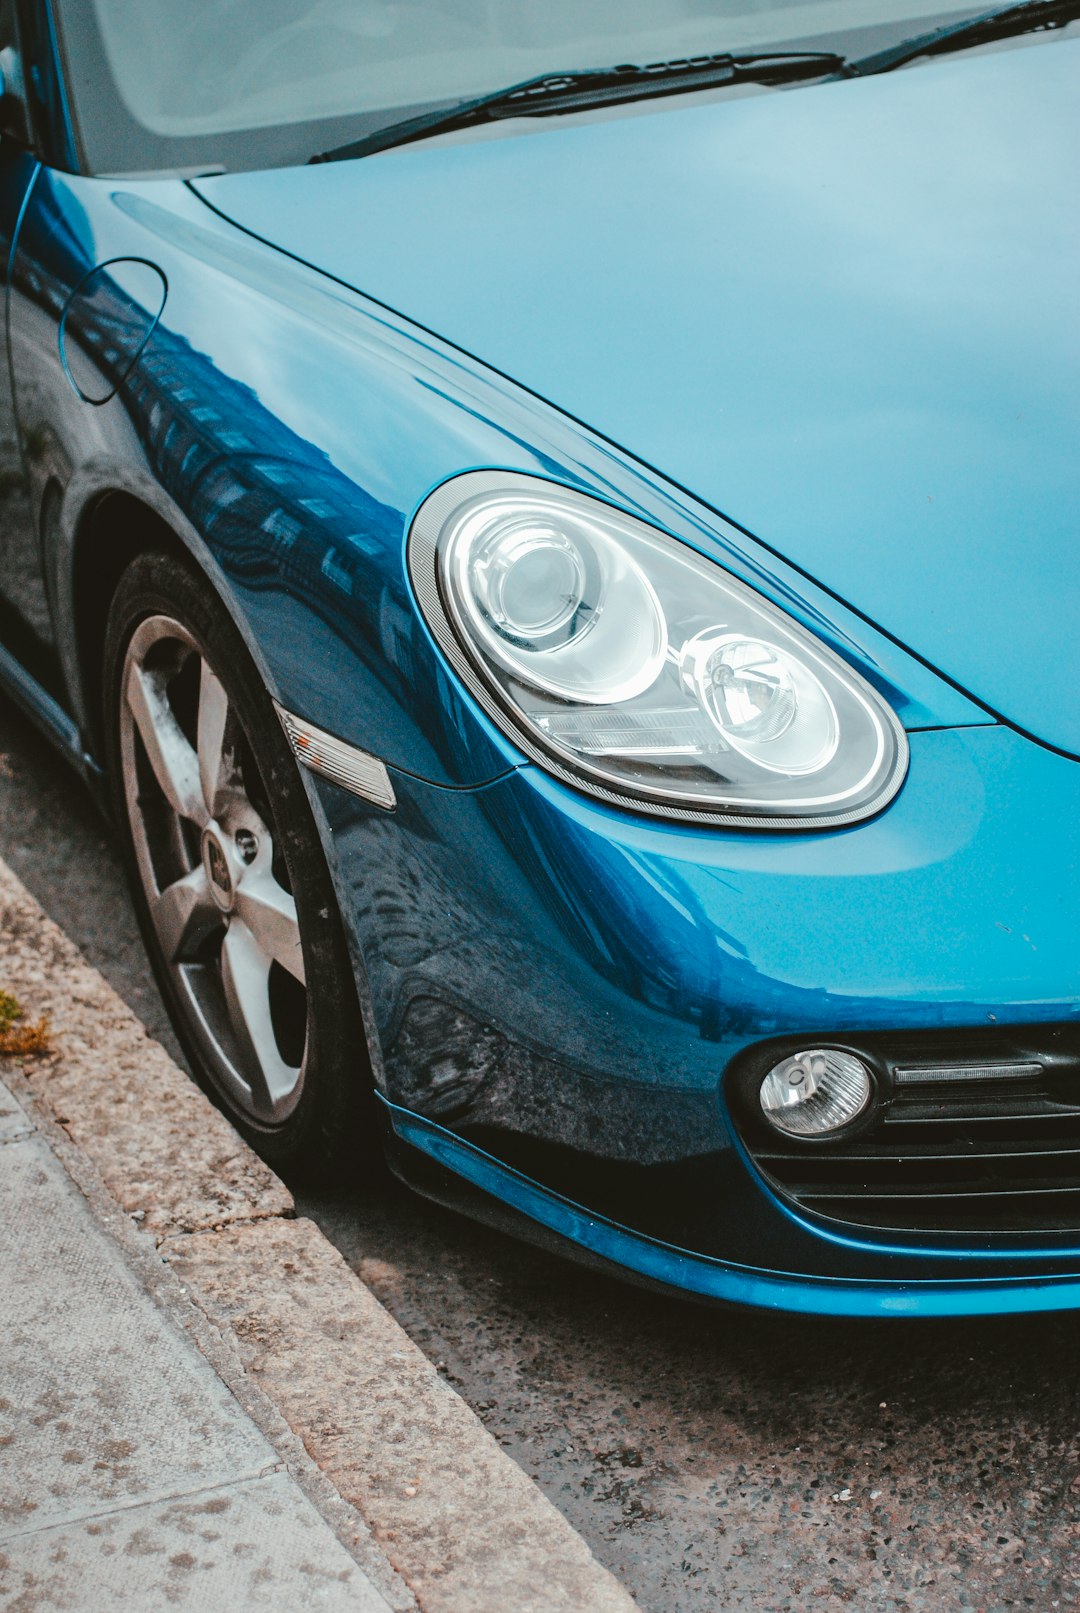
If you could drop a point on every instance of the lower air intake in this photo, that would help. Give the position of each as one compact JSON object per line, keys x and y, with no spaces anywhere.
{"x":984,"y":1145}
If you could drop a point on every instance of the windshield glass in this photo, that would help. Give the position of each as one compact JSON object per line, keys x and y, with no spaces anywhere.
{"x":248,"y":83}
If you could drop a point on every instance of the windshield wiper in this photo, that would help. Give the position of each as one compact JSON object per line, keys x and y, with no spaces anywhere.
{"x":1000,"y":23}
{"x":567,"y":92}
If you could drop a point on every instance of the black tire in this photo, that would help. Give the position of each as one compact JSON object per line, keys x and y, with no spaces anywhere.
{"x":330,"y":1119}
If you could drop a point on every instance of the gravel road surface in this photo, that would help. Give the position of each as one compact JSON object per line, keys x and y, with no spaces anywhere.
{"x":712,"y":1461}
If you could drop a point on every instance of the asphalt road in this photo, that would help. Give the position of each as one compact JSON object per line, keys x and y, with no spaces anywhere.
{"x":712,"y":1461}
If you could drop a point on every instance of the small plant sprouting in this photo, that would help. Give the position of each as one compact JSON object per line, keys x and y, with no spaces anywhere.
{"x":18,"y":1038}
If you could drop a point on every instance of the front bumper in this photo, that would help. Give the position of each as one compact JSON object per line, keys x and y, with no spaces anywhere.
{"x":558,"y":990}
{"x":445,"y":1168}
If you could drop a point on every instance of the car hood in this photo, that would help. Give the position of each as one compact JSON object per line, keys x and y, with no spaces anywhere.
{"x":846,"y":316}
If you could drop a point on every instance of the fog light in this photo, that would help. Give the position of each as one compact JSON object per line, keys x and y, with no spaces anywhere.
{"x":813,"y":1093}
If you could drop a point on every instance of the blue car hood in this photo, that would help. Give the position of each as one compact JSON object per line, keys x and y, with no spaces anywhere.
{"x":846,"y":315}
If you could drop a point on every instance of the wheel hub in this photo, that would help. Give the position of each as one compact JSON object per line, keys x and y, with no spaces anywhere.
{"x":219,"y":873}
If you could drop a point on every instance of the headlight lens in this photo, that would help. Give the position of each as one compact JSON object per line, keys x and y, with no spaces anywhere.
{"x":564,"y":609}
{"x":629,"y":664}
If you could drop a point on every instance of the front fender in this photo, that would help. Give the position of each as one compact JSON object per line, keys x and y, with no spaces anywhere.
{"x":286,"y":429}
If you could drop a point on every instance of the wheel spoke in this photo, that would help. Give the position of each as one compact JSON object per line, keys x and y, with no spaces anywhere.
{"x":174,"y":763}
{"x":270,"y":914}
{"x":216,"y":761}
{"x":184,"y":915}
{"x":245,"y":975}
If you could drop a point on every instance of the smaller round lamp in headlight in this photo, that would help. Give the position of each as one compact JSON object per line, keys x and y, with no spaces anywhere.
{"x":766,"y":704}
{"x":814,"y":1093}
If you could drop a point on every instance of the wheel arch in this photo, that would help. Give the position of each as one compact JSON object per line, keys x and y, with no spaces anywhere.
{"x":105,"y":521}
{"x":107,"y":517}
{"x":114,"y":528}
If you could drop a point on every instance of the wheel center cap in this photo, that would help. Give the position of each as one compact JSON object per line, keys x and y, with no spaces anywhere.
{"x":216,"y":863}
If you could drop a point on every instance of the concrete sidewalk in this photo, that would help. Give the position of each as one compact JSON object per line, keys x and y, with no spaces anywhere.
{"x":129,"y":1474}
{"x":201,"y":1405}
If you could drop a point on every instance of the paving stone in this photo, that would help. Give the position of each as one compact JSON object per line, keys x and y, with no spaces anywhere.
{"x":252,"y":1546}
{"x":129,"y":1473}
{"x":103,"y":1401}
{"x":14,"y":1124}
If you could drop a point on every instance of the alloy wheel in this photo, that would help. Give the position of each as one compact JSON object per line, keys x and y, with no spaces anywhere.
{"x":217,"y":889}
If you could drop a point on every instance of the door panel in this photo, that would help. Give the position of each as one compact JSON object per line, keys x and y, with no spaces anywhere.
{"x":25,"y":625}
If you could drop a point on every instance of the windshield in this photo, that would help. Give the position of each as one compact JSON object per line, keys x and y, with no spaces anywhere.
{"x":254,"y":83}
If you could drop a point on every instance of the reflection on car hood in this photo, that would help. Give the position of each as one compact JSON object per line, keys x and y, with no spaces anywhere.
{"x":846,"y":316}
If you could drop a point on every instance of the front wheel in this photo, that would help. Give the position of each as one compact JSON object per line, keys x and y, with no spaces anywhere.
{"x":229,"y":878}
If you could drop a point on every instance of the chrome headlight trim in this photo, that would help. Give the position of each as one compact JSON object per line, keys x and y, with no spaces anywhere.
{"x":423,"y":561}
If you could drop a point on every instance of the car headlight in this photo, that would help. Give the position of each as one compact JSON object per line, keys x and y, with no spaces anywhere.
{"x":626,"y":663}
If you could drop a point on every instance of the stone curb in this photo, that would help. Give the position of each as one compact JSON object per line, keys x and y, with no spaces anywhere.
{"x":300,"y":1340}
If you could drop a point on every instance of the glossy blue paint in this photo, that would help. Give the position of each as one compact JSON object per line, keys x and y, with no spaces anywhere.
{"x":566,"y":987}
{"x":844,"y":315}
{"x":290,"y":429}
{"x":557,"y":992}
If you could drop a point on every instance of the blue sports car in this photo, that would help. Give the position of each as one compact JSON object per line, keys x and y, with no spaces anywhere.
{"x":554,"y":531}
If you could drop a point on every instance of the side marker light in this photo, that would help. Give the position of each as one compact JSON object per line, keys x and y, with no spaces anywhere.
{"x":332,"y":758}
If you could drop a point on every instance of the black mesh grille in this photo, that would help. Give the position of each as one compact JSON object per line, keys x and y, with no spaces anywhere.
{"x":993,"y":1156}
